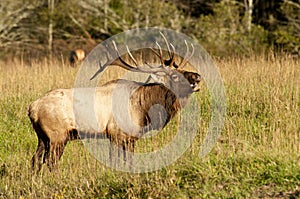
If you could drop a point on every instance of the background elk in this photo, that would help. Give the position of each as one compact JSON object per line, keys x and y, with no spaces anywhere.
{"x":76,"y":57}
{"x":125,"y":110}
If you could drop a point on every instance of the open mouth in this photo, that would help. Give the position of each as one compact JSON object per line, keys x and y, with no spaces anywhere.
{"x":195,"y":86}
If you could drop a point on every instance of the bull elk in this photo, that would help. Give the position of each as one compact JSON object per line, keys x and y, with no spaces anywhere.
{"x":76,"y":57}
{"x":148,"y":106}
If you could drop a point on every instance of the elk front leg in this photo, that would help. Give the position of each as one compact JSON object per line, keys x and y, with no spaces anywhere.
{"x":114,"y":149}
{"x":37,"y":161}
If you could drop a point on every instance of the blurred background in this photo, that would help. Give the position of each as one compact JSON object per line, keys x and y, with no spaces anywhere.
{"x":52,"y":28}
{"x":255,"y":46}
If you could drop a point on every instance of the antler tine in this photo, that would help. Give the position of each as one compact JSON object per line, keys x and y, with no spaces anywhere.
{"x":183,"y":61}
{"x":125,"y":65}
{"x":101,"y":67}
{"x":98,"y":71}
{"x":160,"y":55}
{"x":130,"y":55}
{"x":186,"y":57}
{"x":193,"y":51}
{"x":167,"y":44}
{"x":173,"y":57}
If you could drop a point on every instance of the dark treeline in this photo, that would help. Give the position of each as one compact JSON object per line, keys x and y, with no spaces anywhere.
{"x":262,"y":10}
{"x":47,"y":28}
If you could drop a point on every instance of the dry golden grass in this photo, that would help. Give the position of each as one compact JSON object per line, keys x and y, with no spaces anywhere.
{"x":263,"y":96}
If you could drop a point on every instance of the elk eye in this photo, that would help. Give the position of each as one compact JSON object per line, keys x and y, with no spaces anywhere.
{"x":175,"y":78}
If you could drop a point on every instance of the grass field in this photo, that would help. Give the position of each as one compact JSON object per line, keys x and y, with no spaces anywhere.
{"x":257,"y":155}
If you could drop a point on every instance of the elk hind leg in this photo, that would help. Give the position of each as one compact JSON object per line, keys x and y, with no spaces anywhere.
{"x":37,"y":159}
{"x":53,"y":155}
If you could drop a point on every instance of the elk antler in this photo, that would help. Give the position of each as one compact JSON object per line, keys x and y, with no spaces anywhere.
{"x":171,"y":62}
{"x":164,"y":62}
{"x":135,"y":68}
